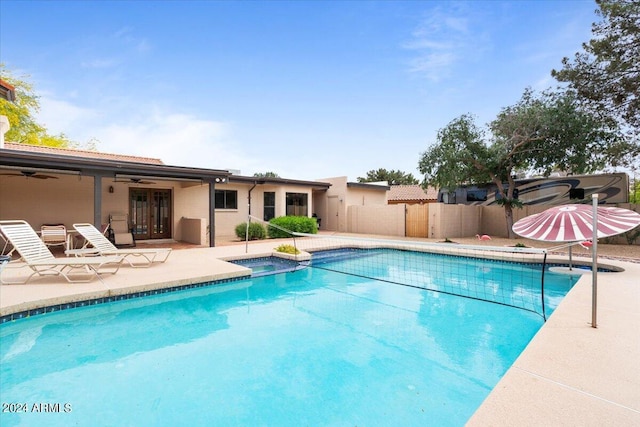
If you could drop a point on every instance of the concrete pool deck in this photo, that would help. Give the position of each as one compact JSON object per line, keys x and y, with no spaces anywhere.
{"x":570,"y":374}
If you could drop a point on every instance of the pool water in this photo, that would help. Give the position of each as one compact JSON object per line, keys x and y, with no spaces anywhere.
{"x":268,"y":265}
{"x":310,"y":347}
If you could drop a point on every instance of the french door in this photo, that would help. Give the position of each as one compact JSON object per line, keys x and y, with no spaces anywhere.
{"x":150,"y":213}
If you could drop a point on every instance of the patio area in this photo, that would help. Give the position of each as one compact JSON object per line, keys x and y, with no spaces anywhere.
{"x":569,"y":374}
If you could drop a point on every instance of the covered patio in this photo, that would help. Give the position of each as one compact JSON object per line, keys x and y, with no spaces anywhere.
{"x":43,"y":186}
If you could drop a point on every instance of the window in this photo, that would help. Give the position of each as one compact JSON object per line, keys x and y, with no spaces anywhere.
{"x":269,"y":205}
{"x":226,"y":199}
{"x":576,"y":193}
{"x":476,"y":195}
{"x":447,"y":197}
{"x":297,"y":204}
{"x":516,"y":193}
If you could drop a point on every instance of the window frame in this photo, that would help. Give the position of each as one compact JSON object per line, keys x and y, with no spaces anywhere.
{"x":225,"y":201}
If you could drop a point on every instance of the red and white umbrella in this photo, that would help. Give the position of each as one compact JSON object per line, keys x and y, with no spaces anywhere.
{"x":574,"y":223}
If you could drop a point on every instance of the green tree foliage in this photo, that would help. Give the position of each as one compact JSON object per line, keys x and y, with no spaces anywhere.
{"x":539,"y":134}
{"x":24,"y":128}
{"x":266,"y":175}
{"x":634,"y":194}
{"x":393,"y":177}
{"x":607,"y":73}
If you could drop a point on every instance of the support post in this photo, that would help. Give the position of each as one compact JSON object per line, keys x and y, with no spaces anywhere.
{"x":97,"y":200}
{"x":212,"y":213}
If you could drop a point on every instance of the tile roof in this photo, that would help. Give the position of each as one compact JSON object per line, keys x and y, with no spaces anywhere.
{"x":7,"y":91}
{"x":411,"y":192}
{"x":81,"y":153}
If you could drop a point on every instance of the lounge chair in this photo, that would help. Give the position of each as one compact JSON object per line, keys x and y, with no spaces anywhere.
{"x":41,"y":261}
{"x":102,"y":246}
{"x":122,"y":235}
{"x":54,"y":235}
{"x":4,"y":260}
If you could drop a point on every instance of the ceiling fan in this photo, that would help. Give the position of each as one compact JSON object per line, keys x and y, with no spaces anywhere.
{"x":134,"y":181}
{"x":30,"y":174}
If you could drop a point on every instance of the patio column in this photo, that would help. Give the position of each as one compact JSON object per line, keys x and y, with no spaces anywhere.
{"x":97,"y":197}
{"x":97,"y":201}
{"x":212,"y":214}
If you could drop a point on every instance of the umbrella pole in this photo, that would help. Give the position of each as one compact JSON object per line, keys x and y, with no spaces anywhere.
{"x":570,"y":261}
{"x":594,"y":267}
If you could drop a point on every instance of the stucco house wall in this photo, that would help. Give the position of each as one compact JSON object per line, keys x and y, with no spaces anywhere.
{"x":341,"y":195}
{"x":66,"y":200}
{"x":192,"y":202}
{"x":228,"y":219}
{"x":69,"y":199}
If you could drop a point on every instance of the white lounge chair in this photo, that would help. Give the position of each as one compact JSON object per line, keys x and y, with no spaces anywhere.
{"x":54,"y":235}
{"x":102,"y":246}
{"x":41,"y":261}
{"x":122,"y":234}
{"x":4,"y":260}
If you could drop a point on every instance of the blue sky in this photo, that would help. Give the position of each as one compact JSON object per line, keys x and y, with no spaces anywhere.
{"x":305,"y":89}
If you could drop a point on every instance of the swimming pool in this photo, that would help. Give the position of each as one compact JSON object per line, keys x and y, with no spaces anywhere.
{"x":310,"y":347}
{"x":268,"y":265}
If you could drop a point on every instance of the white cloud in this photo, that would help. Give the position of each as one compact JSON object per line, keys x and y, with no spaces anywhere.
{"x":61,"y":116}
{"x":177,"y":139}
{"x":442,"y":40}
{"x":150,"y":131}
{"x":128,"y":37}
{"x":433,"y":65}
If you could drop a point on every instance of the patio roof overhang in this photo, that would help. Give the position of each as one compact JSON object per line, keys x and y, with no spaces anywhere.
{"x":315,"y":185}
{"x":16,"y":159}
{"x":103,"y":168}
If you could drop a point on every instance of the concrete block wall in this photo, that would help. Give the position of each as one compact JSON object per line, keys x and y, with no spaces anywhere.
{"x":388,"y":220}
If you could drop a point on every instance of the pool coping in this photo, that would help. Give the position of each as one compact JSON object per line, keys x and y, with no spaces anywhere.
{"x":569,"y":374}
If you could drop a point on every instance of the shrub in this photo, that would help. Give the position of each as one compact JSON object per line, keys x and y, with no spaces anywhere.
{"x":288,"y":249}
{"x":299,"y":224}
{"x":256,"y":231}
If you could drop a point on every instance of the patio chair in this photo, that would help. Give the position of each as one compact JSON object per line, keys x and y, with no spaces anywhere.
{"x":4,"y":260}
{"x":54,"y":235}
{"x":37,"y":256}
{"x":102,"y":246}
{"x":119,"y":225}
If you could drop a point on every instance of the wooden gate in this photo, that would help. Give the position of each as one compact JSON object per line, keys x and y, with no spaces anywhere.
{"x":417,"y":221}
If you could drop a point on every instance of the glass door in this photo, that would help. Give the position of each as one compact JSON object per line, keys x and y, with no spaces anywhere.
{"x":161,"y":214}
{"x":139,"y":212}
{"x":150,"y":213}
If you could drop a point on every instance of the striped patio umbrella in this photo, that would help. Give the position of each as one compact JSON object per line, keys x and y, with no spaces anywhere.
{"x":574,"y":223}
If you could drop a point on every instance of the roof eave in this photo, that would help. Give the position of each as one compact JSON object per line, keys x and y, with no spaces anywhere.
{"x":278,"y":181}
{"x":86,"y":165}
{"x":366,"y":186}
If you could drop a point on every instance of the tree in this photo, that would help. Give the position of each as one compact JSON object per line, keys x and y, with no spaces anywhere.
{"x":539,"y":134}
{"x":393,"y":177}
{"x":634,"y":194}
{"x":24,"y":128}
{"x":266,"y":175}
{"x":607,"y":74}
